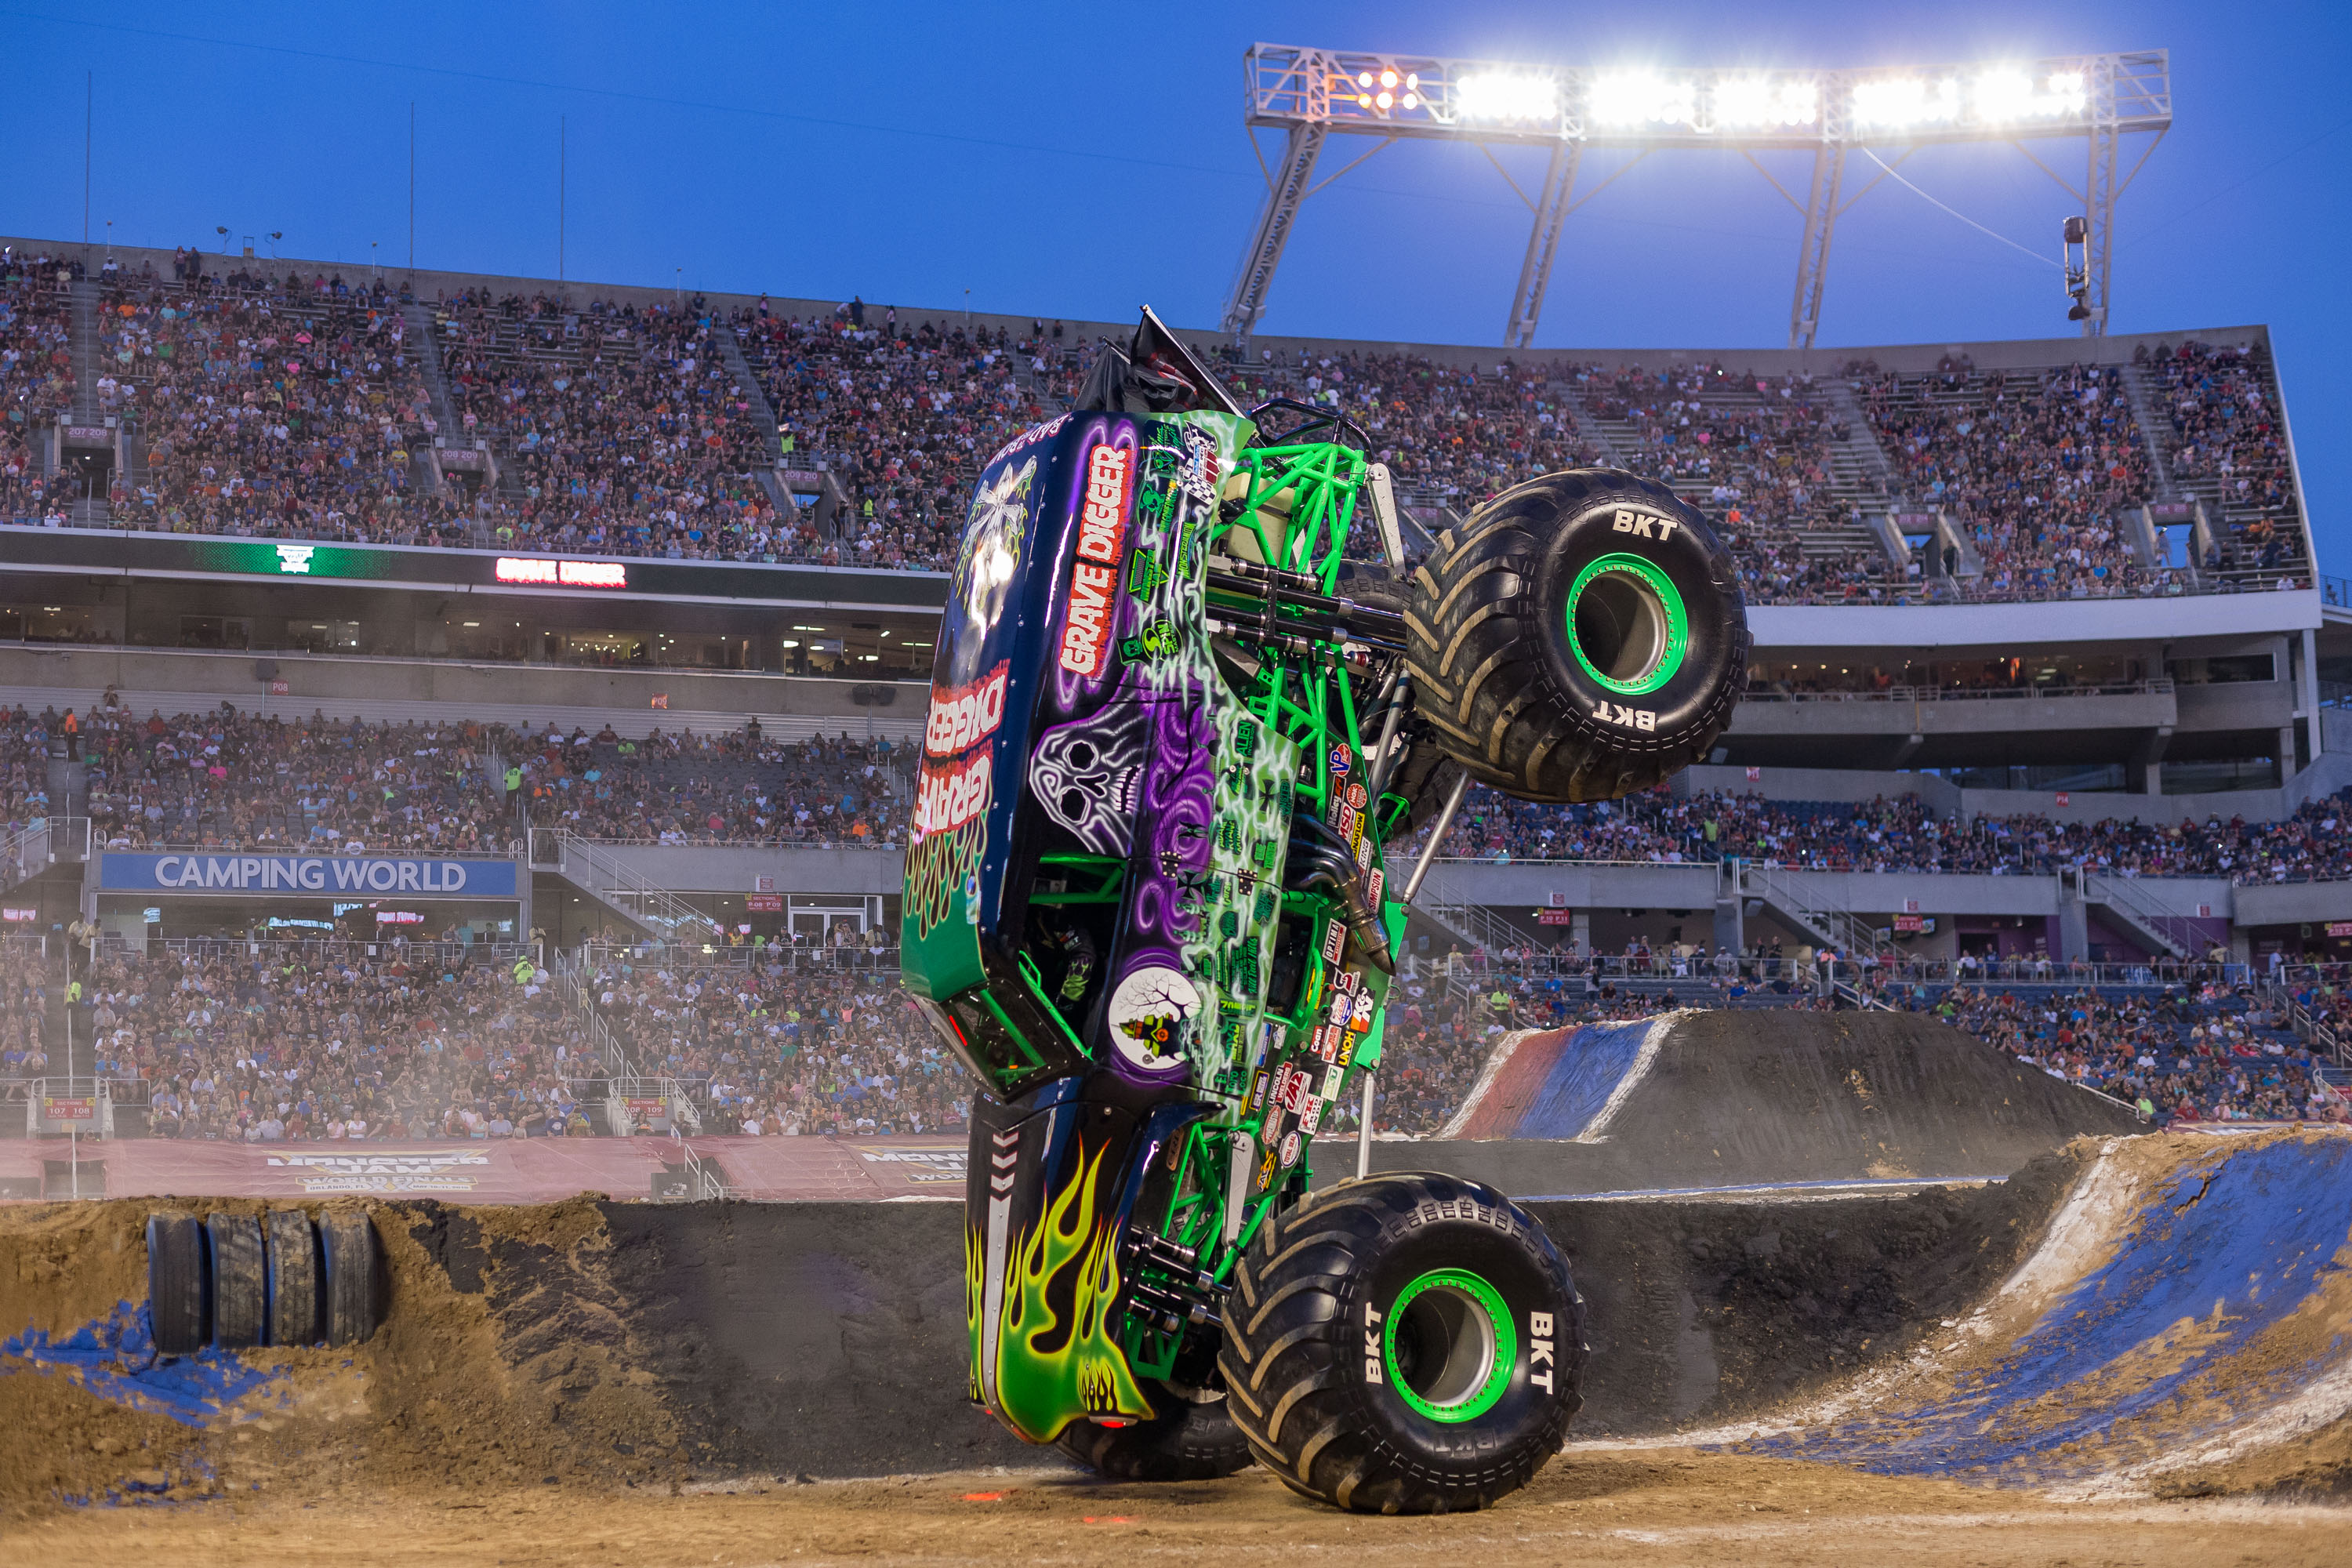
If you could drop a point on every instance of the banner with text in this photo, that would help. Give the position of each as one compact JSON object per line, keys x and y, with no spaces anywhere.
{"x":306,"y":876}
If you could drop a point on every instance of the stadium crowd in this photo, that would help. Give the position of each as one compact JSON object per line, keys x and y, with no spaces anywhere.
{"x":1901,"y":835}
{"x":415,"y":1043}
{"x":307,"y":407}
{"x":36,"y":381}
{"x":2033,"y":467}
{"x":287,"y":1040}
{"x":226,"y":779}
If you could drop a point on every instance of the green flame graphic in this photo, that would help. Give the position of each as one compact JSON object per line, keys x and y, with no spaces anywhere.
{"x":1058,"y":1356}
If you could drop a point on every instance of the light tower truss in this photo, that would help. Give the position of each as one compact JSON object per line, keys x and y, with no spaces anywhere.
{"x":1311,"y":95}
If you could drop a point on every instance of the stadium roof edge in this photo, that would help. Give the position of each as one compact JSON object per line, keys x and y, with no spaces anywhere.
{"x":1989,"y":354}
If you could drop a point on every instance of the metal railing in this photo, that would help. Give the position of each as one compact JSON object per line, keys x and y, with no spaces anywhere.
{"x":1831,"y":916}
{"x":573,"y":987}
{"x":1441,"y":900}
{"x":627,"y":1094}
{"x":341,"y":950}
{"x":2123,"y":895}
{"x":2158,"y":686}
{"x":1690,"y":973}
{"x":704,"y":1181}
{"x":626,"y":890}
{"x":795,"y":958}
{"x":2320,"y":1033}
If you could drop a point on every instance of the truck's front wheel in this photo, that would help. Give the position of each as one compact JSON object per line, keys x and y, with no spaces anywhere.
{"x":1409,"y":1343}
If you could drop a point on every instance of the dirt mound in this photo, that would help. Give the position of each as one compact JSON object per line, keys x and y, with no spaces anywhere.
{"x":1701,"y":1100}
{"x":610,"y":1344}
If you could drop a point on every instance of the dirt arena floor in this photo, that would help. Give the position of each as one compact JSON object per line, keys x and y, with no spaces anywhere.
{"x":1650,"y":1506}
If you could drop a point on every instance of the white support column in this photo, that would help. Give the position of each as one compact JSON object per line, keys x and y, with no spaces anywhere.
{"x":1813,"y":256}
{"x":1275,"y":221}
{"x":1543,"y":244}
{"x":2314,"y":724}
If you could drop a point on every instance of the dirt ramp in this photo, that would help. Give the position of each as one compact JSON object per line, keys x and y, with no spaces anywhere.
{"x":1702,"y":1311}
{"x":2183,"y":1326}
{"x":1704,"y":1100}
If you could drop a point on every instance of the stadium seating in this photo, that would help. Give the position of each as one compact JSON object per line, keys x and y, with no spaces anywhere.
{"x":304,"y":407}
{"x":236,"y":780}
{"x":36,"y":379}
{"x":414,"y":1043}
{"x":221,"y":1040}
{"x":1901,"y":835}
{"x":296,"y":409}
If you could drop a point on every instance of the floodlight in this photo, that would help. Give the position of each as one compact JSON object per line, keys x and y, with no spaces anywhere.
{"x":1906,"y":100}
{"x":1642,"y":97}
{"x":1568,"y":112}
{"x":1507,"y":95}
{"x":1744,"y":103}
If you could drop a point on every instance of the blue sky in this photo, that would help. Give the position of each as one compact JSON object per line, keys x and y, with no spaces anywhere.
{"x":1082,"y":159}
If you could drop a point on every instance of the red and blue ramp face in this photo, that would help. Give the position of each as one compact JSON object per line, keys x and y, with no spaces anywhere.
{"x":1558,"y":1083}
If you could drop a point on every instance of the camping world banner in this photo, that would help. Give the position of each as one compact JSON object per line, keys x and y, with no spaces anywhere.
{"x":299,"y":875}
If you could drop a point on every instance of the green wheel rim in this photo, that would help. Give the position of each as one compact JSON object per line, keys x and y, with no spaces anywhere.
{"x":1633,"y":622}
{"x":1461,"y":1320}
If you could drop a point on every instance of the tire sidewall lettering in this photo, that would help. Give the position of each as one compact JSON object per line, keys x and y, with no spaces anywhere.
{"x":1687,"y":552}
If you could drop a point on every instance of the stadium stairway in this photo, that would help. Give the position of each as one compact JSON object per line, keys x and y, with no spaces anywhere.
{"x":1595,"y":436}
{"x":2152,"y":421}
{"x":427,"y":347}
{"x":747,"y":382}
{"x":1860,"y":473}
{"x":603,"y":877}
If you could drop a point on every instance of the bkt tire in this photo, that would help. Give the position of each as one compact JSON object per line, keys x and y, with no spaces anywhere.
{"x":1190,"y":1439}
{"x":1582,"y":636}
{"x":179,"y":1283}
{"x":1408,"y":1344}
{"x":240,"y":1281}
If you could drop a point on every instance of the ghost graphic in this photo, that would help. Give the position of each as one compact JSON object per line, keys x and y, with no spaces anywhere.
{"x":986,"y":565}
{"x":1088,"y":775}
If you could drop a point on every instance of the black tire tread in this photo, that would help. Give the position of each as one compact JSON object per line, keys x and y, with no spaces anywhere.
{"x":178,"y":1299}
{"x":354,"y":1279}
{"x":293,"y":1247}
{"x":1295,"y":1415}
{"x":1193,"y":1443}
{"x":240,"y":1282}
{"x":1484,"y":685}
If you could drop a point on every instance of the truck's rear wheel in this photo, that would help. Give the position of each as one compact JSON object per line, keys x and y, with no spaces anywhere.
{"x":1193,"y":1439}
{"x":1582,"y":636}
{"x":1409,"y":1343}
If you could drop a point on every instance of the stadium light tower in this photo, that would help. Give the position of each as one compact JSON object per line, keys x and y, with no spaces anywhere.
{"x":1313,"y":94}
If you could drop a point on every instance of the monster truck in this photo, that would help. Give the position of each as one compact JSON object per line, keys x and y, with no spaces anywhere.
{"x":1174,"y":731}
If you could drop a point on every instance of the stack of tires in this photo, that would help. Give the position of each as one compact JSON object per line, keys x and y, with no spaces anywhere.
{"x":232,"y":1281}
